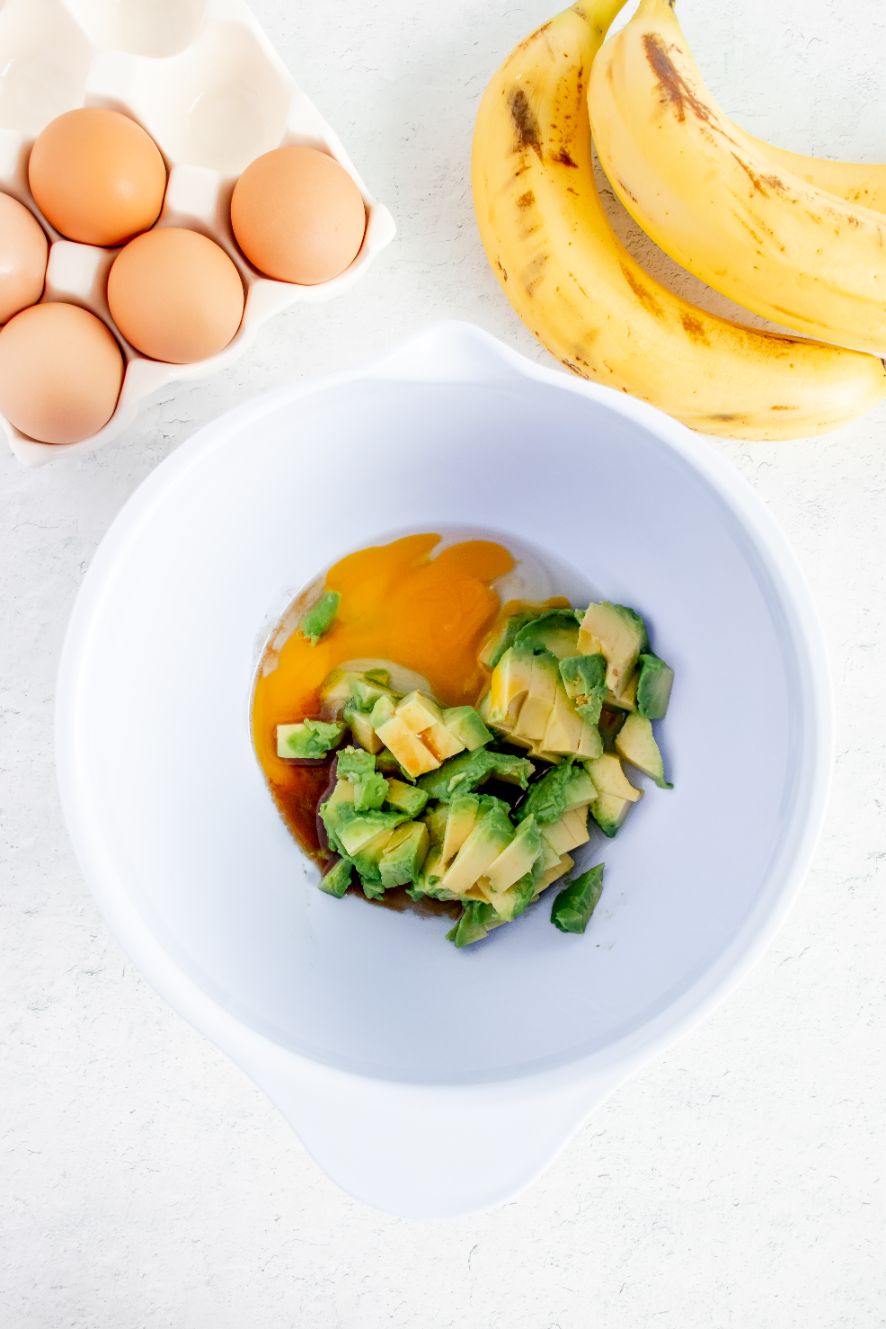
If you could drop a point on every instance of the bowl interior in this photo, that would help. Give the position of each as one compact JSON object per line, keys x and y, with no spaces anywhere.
{"x":170,"y":787}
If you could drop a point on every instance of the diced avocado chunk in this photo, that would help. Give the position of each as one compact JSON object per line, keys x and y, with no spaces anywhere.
{"x":535,"y":711}
{"x":309,"y":740}
{"x":619,"y":634}
{"x":463,"y":813}
{"x":361,"y":728}
{"x":404,"y":855}
{"x":609,"y":812}
{"x":407,"y":747}
{"x":367,"y":861}
{"x":636,"y":744}
{"x":608,"y":776}
{"x":476,"y":920}
{"x":517,"y":859}
{"x":467,"y":725}
{"x":491,"y":833}
{"x":510,"y":683}
{"x":584,"y":678}
{"x":572,"y":909}
{"x":654,"y":683}
{"x":558,"y":790}
{"x":320,"y":617}
{"x":358,"y":768}
{"x":502,"y":637}
{"x":405,"y":797}
{"x":568,"y":832}
{"x":554,"y":632}
{"x":337,"y":880}
{"x":464,"y":773}
{"x":418,"y":711}
{"x":354,"y":832}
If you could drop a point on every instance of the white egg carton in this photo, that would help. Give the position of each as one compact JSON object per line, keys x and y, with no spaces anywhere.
{"x":202,"y":78}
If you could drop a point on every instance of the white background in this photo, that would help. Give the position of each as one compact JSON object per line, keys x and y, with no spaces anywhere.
{"x":741,"y":1180}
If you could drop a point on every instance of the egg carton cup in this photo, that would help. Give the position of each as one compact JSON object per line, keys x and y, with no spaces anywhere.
{"x":204,"y":81}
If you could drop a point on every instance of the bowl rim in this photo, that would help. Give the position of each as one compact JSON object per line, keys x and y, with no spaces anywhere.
{"x":454,"y":351}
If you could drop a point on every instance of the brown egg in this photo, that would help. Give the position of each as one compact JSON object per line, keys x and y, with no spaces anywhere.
{"x":60,"y":373}
{"x":97,"y":176}
{"x":24,"y":251}
{"x":175,"y":295}
{"x":298,"y":216}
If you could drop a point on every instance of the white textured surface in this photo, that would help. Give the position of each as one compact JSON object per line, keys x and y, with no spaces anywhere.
{"x":739,"y":1181}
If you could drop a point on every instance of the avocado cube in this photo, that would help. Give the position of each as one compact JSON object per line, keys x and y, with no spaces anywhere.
{"x":361,"y":729}
{"x":407,"y":747}
{"x":428,"y":881}
{"x":654,"y":682}
{"x":490,"y":835}
{"x":418,"y":711}
{"x":565,"y":728}
{"x":590,"y":743}
{"x":320,"y":617}
{"x":572,"y":909}
{"x":309,"y":740}
{"x":404,"y":854}
{"x":619,"y":634}
{"x":467,"y":725}
{"x":358,"y":768}
{"x":442,"y":741}
{"x":569,"y":832}
{"x":463,"y":813}
{"x":517,"y":859}
{"x":609,"y":812}
{"x":510,"y":683}
{"x":337,"y":880}
{"x":360,"y":829}
{"x":636,"y":745}
{"x":535,"y":712}
{"x":510,"y":903}
{"x":367,"y":861}
{"x":405,"y":797}
{"x":608,"y":776}
{"x":554,"y":632}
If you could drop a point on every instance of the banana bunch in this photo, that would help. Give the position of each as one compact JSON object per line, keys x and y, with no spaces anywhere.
{"x":587,"y":299}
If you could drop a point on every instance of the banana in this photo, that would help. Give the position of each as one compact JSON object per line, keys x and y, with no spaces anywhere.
{"x":720,"y":204}
{"x":863,"y":183}
{"x":589,"y":302}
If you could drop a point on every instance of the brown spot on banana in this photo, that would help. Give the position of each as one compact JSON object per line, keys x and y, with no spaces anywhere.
{"x":525,"y":122}
{"x":693,"y":327}
{"x":674,"y":87}
{"x":643,"y":293}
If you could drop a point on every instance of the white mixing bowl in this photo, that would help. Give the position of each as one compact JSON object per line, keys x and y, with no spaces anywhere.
{"x":424,"y":1079}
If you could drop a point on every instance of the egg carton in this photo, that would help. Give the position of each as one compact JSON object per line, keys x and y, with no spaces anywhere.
{"x":204,"y":81}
